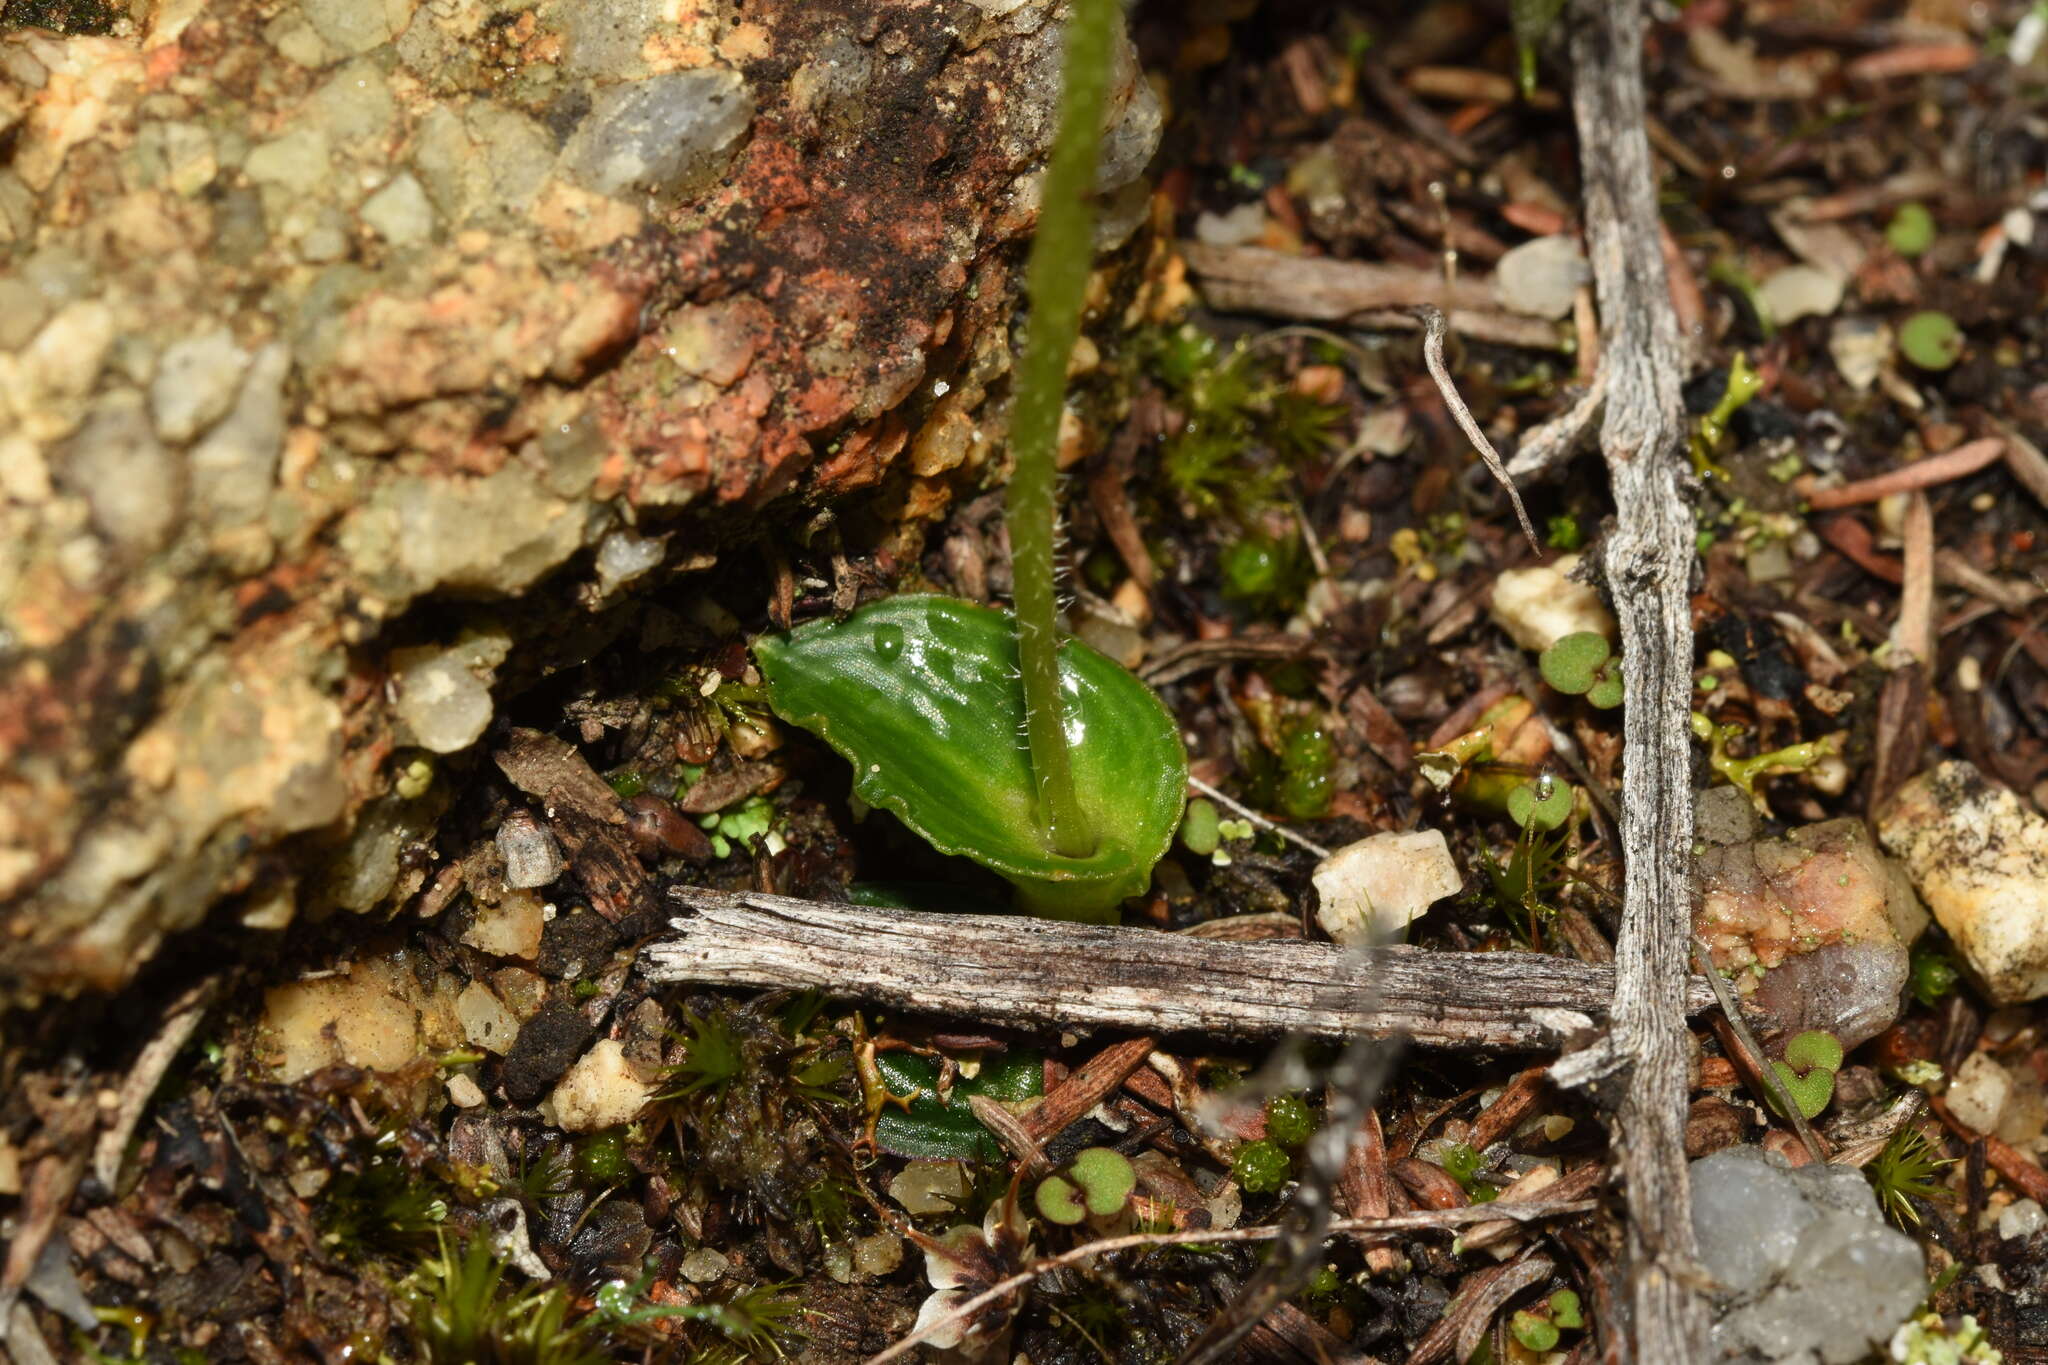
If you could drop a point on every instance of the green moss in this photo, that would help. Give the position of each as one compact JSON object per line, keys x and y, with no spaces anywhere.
{"x":62,"y":16}
{"x":1260,"y":1167}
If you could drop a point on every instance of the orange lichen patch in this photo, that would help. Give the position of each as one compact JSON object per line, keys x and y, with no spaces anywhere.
{"x":499,"y":317}
{"x":88,"y":79}
{"x":863,"y":456}
{"x":578,"y":220}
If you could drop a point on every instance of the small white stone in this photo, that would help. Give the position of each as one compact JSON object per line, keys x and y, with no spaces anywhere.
{"x":511,"y":928}
{"x":2021,"y":1218}
{"x":923,"y":1188}
{"x":705,"y":1266}
{"x":1800,"y":291}
{"x":486,"y":1021}
{"x":1244,"y":224}
{"x":623,"y":556}
{"x":464,"y":1090}
{"x":1539,"y":606}
{"x":878,"y":1254}
{"x":1978,"y":1093}
{"x":532,"y":857}
{"x":599,"y":1091}
{"x":1370,"y":890}
{"x":1860,"y":347}
{"x":195,"y":384}
{"x":440,"y":697}
{"x":1542,"y":277}
{"x":400,"y":213}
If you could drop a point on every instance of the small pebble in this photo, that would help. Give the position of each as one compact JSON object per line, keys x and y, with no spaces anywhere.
{"x":2021,"y":1219}
{"x":1369,"y":891}
{"x":705,"y":1266}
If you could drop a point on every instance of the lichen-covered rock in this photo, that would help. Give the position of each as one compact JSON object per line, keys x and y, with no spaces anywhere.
{"x":313,"y":311}
{"x":1814,"y":928}
{"x":1980,"y":859}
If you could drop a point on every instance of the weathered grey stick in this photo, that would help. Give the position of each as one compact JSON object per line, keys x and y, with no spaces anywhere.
{"x":1253,"y":279}
{"x":1007,"y":969}
{"x":1649,"y":563}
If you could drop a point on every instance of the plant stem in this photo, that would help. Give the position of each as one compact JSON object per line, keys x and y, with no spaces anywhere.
{"x":1057,"y":279}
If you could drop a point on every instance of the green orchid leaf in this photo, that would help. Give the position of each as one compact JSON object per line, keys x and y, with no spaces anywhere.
{"x":920,"y":693}
{"x":934,"y":1128}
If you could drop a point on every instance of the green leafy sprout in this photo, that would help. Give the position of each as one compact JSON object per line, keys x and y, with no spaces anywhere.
{"x":911,"y":690}
{"x":1289,"y":1120}
{"x":712,"y":1058}
{"x":1911,"y":230}
{"x":1710,"y":433}
{"x":464,"y":1313}
{"x":1744,"y":773}
{"x":1260,"y":1167}
{"x":1543,"y":804}
{"x":1933,"y":974}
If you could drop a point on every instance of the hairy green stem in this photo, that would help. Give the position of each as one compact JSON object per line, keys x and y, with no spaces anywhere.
{"x":1057,"y":279}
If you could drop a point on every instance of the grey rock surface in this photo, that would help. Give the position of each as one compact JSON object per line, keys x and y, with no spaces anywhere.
{"x":1807,"y":1268}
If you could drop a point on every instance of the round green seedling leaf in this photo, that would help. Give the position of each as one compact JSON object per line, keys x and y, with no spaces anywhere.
{"x":1911,"y":230}
{"x":1606,"y":693}
{"x":1201,"y":832}
{"x":1810,"y":1092}
{"x":1931,"y":340}
{"x":1106,"y":1178}
{"x":1542,"y":804}
{"x":1572,"y":665}
{"x":1815,"y":1048}
{"x":1533,"y":1331}
{"x":1564,"y":1309}
{"x":1059,"y":1201}
{"x":921,"y":694}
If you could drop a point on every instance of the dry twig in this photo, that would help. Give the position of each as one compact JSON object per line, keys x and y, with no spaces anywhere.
{"x":1927,"y":473}
{"x":1013,"y":971}
{"x":1433,"y":358}
{"x":1649,"y":560}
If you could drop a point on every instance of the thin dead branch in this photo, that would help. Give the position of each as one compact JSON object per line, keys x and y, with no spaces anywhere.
{"x":1250,"y":279}
{"x":1928,"y":473}
{"x":1433,"y":359}
{"x":1019,"y":972}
